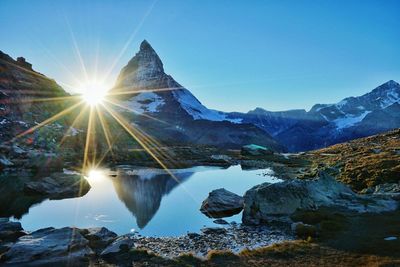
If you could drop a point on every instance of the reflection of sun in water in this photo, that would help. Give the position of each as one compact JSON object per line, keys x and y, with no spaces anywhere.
{"x":93,"y":92}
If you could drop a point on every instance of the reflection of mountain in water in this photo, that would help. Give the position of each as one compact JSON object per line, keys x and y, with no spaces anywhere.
{"x":141,"y":190}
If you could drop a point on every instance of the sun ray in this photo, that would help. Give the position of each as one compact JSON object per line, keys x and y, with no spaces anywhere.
{"x":130,"y":131}
{"x":133,"y":110}
{"x":76,"y":50}
{"x":157,"y":146}
{"x":76,"y":120}
{"x":47,"y":121}
{"x":87,"y":143}
{"x":36,"y":100}
{"x":124,"y":90}
{"x":105,"y":130}
{"x":129,"y":41}
{"x":54,"y":59}
{"x":22,"y":68}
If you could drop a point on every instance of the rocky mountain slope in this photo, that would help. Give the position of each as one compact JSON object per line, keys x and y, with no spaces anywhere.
{"x":367,"y":164}
{"x":22,"y":105}
{"x":327,"y":124}
{"x":146,"y":90}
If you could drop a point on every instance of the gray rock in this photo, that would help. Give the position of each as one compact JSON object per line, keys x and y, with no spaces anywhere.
{"x":388,"y":188}
{"x":59,"y":186}
{"x":220,"y":221}
{"x":10,"y":231}
{"x":267,"y":201}
{"x":193,"y":235}
{"x":50,"y":246}
{"x":221,"y":203}
{"x":213,"y":230}
{"x":99,"y":237}
{"x":120,"y":246}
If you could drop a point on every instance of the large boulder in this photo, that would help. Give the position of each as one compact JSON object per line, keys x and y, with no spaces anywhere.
{"x":50,"y":247}
{"x":221,"y":203}
{"x":10,"y":231}
{"x":273,"y":201}
{"x":59,"y":186}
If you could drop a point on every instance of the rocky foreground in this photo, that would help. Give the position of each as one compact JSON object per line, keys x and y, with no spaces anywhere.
{"x":73,"y":246}
{"x":344,"y":227}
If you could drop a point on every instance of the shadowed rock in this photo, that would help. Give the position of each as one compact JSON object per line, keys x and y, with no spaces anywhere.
{"x":221,"y":203}
{"x":50,"y":247}
{"x":266,"y":201}
{"x":59,"y":186}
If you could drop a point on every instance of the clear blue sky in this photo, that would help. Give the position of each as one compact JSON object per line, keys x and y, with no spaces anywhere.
{"x":233,"y":55}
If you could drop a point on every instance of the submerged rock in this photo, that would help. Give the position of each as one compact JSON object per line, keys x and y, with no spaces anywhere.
{"x":50,"y":247}
{"x":266,"y":201}
{"x":221,"y":203}
{"x":59,"y":185}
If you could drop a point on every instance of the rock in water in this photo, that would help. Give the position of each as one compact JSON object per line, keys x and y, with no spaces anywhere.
{"x":266,"y":201}
{"x":59,"y":185}
{"x":50,"y":247}
{"x":221,"y":203}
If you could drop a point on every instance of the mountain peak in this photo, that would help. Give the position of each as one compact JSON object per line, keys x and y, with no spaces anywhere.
{"x":144,"y":45}
{"x":391,"y":83}
{"x":143,"y":70}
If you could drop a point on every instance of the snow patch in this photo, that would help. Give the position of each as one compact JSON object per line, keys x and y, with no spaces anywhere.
{"x":195,"y":109}
{"x":145,"y":102}
{"x":391,"y":98}
{"x":349,"y":120}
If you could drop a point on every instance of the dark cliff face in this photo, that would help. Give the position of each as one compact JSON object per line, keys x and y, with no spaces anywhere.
{"x":178,"y":116}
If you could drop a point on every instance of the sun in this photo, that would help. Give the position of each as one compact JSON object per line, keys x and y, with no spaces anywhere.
{"x":93,"y":93}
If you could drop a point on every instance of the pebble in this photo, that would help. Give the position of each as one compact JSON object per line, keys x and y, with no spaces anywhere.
{"x":233,"y":238}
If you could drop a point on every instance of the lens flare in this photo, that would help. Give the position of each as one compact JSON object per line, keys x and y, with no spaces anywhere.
{"x":93,"y":93}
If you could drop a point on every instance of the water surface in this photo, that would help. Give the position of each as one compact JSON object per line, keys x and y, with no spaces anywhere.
{"x":149,"y":201}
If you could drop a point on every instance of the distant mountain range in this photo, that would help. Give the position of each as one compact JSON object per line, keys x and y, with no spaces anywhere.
{"x":327,"y":124}
{"x":152,"y":100}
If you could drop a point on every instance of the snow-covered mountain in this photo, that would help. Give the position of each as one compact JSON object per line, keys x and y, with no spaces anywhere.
{"x":145,"y":89}
{"x":327,"y":124}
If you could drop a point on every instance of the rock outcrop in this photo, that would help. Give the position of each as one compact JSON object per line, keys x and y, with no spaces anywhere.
{"x":267,"y":202}
{"x":50,"y":247}
{"x":59,"y":186}
{"x":221,"y":203}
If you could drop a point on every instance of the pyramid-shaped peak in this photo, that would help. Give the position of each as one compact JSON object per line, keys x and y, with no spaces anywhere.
{"x":144,"y":68}
{"x":144,"y":45}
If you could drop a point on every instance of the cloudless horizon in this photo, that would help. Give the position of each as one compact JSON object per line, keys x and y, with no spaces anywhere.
{"x":232,"y":55}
